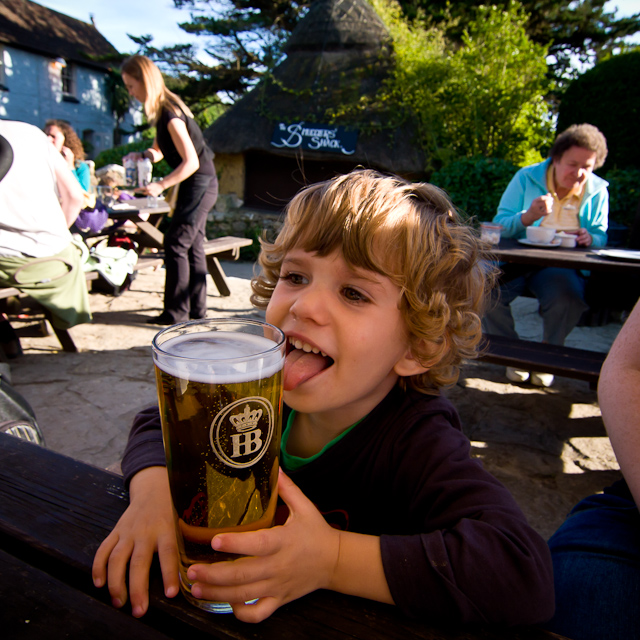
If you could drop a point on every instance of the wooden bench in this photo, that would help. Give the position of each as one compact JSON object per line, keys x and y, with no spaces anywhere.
{"x":63,"y":335}
{"x":226,"y":248}
{"x":548,"y":358}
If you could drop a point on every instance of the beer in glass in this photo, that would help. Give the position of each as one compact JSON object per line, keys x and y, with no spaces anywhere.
{"x":220,"y":394}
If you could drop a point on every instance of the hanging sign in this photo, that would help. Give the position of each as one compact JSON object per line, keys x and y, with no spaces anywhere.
{"x":314,"y":137}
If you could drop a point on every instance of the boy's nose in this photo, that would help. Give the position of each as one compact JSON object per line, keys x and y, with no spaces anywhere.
{"x":310,"y":304}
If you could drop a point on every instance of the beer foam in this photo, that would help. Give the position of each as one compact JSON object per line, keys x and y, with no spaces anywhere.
{"x":215,"y":357}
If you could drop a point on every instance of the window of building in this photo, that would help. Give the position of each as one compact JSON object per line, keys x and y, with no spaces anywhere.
{"x":68,"y":80}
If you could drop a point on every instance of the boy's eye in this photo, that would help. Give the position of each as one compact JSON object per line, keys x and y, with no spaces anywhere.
{"x":293,"y":278}
{"x":353,"y":295}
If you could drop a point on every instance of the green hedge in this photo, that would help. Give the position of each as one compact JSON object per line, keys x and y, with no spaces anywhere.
{"x":115,"y":155}
{"x":624,"y":194}
{"x":608,"y":96}
{"x":475,"y":185}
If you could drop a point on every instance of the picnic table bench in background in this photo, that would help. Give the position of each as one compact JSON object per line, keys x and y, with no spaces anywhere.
{"x":225,"y":248}
{"x":580,"y":364}
{"x":63,"y":335}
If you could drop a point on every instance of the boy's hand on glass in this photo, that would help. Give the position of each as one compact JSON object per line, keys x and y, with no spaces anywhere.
{"x":144,"y":528}
{"x":284,"y":563}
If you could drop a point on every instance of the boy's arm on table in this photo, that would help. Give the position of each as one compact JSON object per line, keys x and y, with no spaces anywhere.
{"x":147,"y":524}
{"x":478,"y":559}
{"x":144,"y":528}
{"x":619,"y":399}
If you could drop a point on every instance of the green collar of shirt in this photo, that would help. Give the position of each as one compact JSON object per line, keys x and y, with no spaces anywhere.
{"x":290,"y":462}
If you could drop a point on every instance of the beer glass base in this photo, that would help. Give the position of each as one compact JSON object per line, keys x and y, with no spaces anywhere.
{"x":208,"y":605}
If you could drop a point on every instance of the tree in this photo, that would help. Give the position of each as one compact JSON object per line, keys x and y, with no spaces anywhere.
{"x":246,"y":37}
{"x":571,"y":30}
{"x":483,"y":97}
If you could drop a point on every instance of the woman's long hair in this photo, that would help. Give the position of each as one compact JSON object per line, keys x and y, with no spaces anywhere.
{"x":157,"y":97}
{"x":71,"y":138}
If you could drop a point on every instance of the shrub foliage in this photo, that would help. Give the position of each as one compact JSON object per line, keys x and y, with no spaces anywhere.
{"x":475,"y":184}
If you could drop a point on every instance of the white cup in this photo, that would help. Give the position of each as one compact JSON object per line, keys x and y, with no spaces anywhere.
{"x":567,"y":240}
{"x":540,"y":235}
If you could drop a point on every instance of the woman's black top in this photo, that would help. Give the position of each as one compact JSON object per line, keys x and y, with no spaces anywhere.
{"x":171,"y":155}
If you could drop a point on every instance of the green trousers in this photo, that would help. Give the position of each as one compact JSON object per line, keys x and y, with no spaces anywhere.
{"x":56,"y":282}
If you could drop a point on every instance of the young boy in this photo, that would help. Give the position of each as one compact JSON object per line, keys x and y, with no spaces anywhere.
{"x":378,"y":286}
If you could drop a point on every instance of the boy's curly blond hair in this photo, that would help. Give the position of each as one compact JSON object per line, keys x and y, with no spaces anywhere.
{"x":410,"y":233}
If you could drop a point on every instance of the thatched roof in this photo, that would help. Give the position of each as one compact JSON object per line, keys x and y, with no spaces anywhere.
{"x":32,"y":27}
{"x":338,"y":25}
{"x":338,"y":53}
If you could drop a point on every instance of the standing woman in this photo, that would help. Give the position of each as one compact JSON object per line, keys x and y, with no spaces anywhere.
{"x":66,"y":141}
{"x":180,"y":142}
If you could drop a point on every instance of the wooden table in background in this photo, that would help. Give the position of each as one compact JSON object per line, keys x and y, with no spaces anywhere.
{"x":55,"y":511}
{"x":512,"y":251}
{"x":145,"y":218}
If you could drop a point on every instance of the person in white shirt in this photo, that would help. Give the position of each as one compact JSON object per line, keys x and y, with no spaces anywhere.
{"x":39,"y":200}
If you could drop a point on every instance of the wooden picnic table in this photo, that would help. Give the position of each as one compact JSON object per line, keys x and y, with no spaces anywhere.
{"x":55,"y":511}
{"x":534,"y":356}
{"x":584,"y":258}
{"x":145,"y":218}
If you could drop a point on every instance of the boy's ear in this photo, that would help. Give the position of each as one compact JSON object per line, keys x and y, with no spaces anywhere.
{"x":409,"y":366}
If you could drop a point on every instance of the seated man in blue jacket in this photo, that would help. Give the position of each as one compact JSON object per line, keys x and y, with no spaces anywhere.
{"x":564,"y":194}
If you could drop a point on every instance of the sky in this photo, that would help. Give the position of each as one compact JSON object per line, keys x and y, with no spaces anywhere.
{"x":115,"y":18}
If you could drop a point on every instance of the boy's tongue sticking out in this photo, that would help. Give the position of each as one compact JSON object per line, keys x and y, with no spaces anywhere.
{"x":301,"y":365}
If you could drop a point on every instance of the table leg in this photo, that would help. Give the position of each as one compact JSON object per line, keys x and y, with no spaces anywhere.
{"x":156,"y":238}
{"x":220,"y":280}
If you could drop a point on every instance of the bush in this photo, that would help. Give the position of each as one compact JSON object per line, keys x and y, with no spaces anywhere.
{"x":115,"y":155}
{"x":624,"y":194}
{"x":608,"y":96}
{"x":475,"y":185}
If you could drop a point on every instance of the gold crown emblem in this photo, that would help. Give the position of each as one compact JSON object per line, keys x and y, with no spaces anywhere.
{"x":246,"y":420}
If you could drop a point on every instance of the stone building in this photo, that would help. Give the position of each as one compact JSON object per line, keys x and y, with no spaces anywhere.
{"x":46,"y":71}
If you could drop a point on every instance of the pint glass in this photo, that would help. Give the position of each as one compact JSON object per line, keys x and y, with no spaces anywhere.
{"x":220,"y":394}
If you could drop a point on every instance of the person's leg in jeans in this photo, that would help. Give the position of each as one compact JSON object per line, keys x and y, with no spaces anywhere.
{"x":198,"y":259}
{"x":596,"y":562}
{"x":499,"y":320}
{"x":561,"y":296}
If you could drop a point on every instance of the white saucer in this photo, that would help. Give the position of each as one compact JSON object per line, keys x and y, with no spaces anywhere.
{"x":544,"y":245}
{"x":618,"y":254}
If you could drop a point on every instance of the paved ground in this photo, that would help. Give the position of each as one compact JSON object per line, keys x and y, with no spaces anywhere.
{"x":547,"y":445}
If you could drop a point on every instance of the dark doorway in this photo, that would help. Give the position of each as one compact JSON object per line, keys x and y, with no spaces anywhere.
{"x":271,"y":181}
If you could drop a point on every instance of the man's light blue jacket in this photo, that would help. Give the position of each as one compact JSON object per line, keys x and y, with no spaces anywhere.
{"x":531,"y":182}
